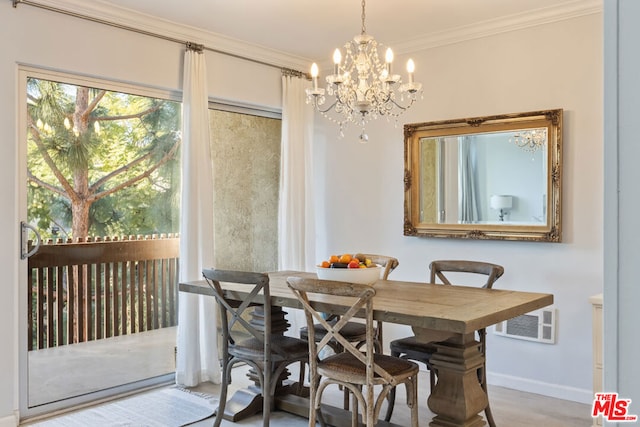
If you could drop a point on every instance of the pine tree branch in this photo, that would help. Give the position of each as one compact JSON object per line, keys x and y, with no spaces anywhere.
{"x":129,"y":116}
{"x":99,"y":183}
{"x":94,"y":102}
{"x":168,"y":156}
{"x":35,"y":134}
{"x":31,"y":177}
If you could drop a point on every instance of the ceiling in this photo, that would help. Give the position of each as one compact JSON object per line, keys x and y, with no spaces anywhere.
{"x":312,"y":29}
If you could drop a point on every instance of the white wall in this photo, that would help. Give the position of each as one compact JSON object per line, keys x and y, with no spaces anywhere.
{"x":550,"y":66}
{"x":360,"y":202}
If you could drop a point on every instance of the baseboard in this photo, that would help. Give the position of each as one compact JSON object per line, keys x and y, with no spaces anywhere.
{"x":546,"y":389}
{"x":9,"y":421}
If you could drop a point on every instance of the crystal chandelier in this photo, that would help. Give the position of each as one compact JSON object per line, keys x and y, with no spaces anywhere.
{"x":530,"y":140}
{"x":363,"y":86}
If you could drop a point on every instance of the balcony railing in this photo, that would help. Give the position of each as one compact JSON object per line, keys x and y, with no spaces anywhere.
{"x":100,"y":288}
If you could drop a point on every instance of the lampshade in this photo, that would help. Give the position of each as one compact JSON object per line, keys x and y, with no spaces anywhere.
{"x":501,"y":202}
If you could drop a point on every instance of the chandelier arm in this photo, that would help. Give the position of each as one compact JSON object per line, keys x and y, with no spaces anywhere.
{"x":405,"y":108}
{"x":344,"y":99}
{"x":390,"y":99}
{"x":328,"y":108}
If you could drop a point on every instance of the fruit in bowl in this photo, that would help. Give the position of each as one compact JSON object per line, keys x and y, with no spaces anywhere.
{"x":347,"y":261}
{"x":348,"y":268}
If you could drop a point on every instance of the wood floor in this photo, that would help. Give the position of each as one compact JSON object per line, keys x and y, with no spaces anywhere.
{"x":511,"y":408}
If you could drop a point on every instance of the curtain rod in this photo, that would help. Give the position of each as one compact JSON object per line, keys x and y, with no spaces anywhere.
{"x":189,"y":45}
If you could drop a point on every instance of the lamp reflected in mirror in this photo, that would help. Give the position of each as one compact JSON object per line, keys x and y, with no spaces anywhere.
{"x":502,"y":204}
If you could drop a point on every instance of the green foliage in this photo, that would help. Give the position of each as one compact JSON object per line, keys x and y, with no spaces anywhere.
{"x":83,"y":143}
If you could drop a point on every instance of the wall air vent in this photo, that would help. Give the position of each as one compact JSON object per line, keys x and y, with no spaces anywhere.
{"x":539,"y":325}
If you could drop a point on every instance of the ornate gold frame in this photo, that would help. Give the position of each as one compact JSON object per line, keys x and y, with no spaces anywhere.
{"x":551,"y":231}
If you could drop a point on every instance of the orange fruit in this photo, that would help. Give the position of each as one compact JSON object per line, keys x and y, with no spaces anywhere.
{"x":325,"y":264}
{"x":333,"y":258}
{"x":346,"y":258}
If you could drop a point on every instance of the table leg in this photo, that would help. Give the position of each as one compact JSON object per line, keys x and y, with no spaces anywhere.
{"x":247,"y":402}
{"x":457,"y":397}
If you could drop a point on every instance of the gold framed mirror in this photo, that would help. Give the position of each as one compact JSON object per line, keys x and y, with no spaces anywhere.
{"x":494,"y":177}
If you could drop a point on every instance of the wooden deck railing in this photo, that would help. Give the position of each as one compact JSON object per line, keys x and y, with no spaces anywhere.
{"x":101,"y":288}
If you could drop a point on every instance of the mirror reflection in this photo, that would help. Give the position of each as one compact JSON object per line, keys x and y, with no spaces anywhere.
{"x":493,"y":177}
{"x":489,"y":177}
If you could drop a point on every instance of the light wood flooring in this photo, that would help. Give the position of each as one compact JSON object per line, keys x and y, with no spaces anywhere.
{"x":511,"y":408}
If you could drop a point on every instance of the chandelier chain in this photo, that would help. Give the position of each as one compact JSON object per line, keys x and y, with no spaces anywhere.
{"x":364,"y":28}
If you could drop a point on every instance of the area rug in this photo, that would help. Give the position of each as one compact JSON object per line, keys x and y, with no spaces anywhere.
{"x":168,"y":407}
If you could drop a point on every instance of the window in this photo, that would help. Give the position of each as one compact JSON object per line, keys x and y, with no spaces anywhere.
{"x":246,"y":156}
{"x":101,"y":162}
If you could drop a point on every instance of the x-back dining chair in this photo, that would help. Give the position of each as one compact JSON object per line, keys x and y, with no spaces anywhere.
{"x":414,"y":349}
{"x":267,"y":353}
{"x":355,"y":331}
{"x":351,"y":368}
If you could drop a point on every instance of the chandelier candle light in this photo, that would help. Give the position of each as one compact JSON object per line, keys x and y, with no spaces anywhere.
{"x":364,"y":88}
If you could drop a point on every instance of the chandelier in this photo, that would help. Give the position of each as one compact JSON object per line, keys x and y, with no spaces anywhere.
{"x":530,"y":140}
{"x":362,"y":87}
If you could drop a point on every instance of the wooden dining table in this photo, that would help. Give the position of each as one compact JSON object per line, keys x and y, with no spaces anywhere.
{"x":457,"y":398}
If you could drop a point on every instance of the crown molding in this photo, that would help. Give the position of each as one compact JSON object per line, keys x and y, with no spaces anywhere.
{"x":120,"y":16}
{"x":101,"y":11}
{"x":520,"y":21}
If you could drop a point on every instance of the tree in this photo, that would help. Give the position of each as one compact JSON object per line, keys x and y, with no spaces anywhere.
{"x":97,"y":157}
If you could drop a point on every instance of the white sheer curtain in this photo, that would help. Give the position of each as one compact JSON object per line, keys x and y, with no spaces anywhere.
{"x":197,"y":358}
{"x":296,"y":213}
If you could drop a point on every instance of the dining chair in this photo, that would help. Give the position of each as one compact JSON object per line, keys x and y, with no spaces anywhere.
{"x":412,"y":348}
{"x":355,"y":331}
{"x":244,"y":342}
{"x":352,"y":369}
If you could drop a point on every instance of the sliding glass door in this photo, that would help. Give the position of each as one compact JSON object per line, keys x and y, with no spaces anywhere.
{"x":102,"y":168}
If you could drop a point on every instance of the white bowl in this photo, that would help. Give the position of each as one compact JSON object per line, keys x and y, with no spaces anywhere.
{"x":364,"y":276}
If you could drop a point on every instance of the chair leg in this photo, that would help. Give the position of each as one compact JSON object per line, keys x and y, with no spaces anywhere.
{"x":413,"y":403}
{"x":355,"y":410}
{"x":345,"y":398}
{"x":226,"y":374}
{"x":313,"y":390}
{"x":487,"y":411}
{"x":317,"y":403}
{"x":266,"y":395}
{"x":489,"y":416}
{"x":391,"y":400}
{"x":369,"y":410}
{"x":301,"y":379}
{"x":391,"y":397}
